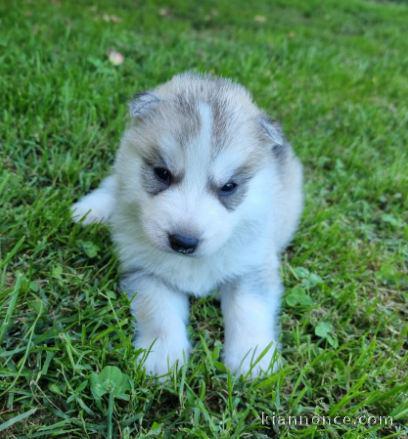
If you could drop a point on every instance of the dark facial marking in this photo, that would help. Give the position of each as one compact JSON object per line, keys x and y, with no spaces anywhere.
{"x":228,"y":188}
{"x":151,"y":184}
{"x":163,"y":174}
{"x":232,"y":192}
{"x":152,"y":156}
{"x":156,"y":176}
{"x":221,"y":121}
{"x":190,"y":122}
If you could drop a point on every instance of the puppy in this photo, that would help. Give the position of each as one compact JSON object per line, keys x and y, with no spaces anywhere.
{"x":204,"y":194}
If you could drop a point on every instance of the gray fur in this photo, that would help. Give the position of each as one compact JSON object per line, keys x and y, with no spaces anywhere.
{"x":151,"y":184}
{"x":232,"y":109}
{"x":190,"y":119}
{"x":141,"y":103}
{"x":274,"y":133}
{"x":153,"y":156}
{"x":242,"y":177}
{"x":222,"y":118}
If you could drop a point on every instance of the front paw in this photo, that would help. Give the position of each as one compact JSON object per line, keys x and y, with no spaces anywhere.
{"x":163,"y":353}
{"x":87,"y":213}
{"x":252,"y":357}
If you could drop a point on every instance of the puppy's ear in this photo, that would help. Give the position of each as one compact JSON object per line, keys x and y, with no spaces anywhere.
{"x":142,"y":103}
{"x":273,"y":132}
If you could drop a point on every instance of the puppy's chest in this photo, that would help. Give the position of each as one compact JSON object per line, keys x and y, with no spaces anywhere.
{"x":201,"y":277}
{"x":198,"y":276}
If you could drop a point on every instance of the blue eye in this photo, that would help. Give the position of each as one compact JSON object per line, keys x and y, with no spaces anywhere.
{"x":228,"y":188}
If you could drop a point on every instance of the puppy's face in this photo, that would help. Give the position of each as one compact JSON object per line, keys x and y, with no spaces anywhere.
{"x":190,"y":169}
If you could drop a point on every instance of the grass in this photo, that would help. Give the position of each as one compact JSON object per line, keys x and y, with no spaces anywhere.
{"x":335,"y":74}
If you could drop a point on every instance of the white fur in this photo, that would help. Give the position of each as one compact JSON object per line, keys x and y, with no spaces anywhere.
{"x":161,"y":314}
{"x":250,"y":309}
{"x":239,"y":250}
{"x":97,"y":206}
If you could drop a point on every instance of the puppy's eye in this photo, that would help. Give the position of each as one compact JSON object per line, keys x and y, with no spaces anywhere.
{"x":228,"y":188}
{"x":163,"y":175}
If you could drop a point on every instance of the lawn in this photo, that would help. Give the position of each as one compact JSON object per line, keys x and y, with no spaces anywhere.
{"x":335,"y":74}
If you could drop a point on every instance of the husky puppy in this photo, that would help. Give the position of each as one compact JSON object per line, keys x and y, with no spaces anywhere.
{"x":204,"y":194}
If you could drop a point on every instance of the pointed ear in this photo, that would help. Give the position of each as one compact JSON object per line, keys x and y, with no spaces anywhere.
{"x":273,"y":132}
{"x":142,"y":103}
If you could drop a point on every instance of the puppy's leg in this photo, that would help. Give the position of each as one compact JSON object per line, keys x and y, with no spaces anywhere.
{"x":97,"y":206}
{"x":161,"y":317}
{"x":250,"y":308}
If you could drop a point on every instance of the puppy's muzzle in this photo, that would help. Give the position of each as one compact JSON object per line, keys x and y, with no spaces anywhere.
{"x":183,"y":244}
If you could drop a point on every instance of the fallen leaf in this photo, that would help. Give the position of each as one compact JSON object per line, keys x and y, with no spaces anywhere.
{"x":260,"y":18}
{"x":115,"y":57}
{"x":164,"y":12}
{"x":111,"y":18}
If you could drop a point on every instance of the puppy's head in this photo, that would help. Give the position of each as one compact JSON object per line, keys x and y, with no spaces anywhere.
{"x":198,"y":159}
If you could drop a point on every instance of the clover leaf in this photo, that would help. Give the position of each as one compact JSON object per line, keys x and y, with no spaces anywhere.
{"x":113,"y":382}
{"x":325,"y":330}
{"x":298,"y":296}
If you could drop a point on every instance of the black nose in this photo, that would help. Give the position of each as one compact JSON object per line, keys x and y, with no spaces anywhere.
{"x":183,"y":244}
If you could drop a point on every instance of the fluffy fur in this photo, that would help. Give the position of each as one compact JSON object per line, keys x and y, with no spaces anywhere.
{"x":206,"y":132}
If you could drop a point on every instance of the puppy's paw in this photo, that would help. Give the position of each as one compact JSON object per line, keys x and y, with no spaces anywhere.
{"x":252,"y":358}
{"x":81,"y":212}
{"x":163,"y":354}
{"x":93,"y":208}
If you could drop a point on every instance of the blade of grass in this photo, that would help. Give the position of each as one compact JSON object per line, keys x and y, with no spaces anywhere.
{"x":11,"y":307}
{"x":10,"y":422}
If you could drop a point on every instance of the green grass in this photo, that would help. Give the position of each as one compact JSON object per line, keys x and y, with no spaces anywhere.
{"x":335,"y":74}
